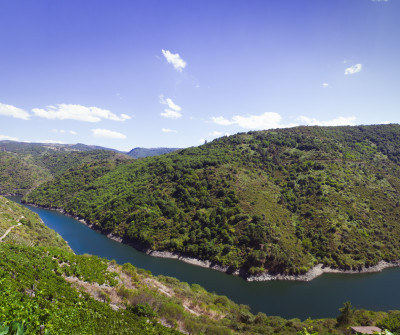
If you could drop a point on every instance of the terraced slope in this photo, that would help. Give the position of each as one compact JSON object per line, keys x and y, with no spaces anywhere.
{"x":25,"y":227}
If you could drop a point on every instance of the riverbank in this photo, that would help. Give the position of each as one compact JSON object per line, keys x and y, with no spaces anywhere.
{"x":313,"y":273}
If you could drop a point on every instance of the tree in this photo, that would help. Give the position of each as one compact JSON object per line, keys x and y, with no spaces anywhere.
{"x":346,"y":314}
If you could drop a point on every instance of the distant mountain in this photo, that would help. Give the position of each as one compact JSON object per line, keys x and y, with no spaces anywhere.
{"x":144,"y":152}
{"x":36,"y":148}
{"x":277,"y":201}
{"x":24,"y":166}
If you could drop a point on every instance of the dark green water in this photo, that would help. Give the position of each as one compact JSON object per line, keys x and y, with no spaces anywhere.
{"x":319,"y":298}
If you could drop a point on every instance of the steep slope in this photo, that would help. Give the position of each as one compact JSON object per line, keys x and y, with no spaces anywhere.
{"x":19,"y":225}
{"x":45,"y":288}
{"x":278,"y":201}
{"x":24,"y":166}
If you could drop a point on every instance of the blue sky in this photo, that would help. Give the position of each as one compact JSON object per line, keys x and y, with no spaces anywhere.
{"x":174,"y":73}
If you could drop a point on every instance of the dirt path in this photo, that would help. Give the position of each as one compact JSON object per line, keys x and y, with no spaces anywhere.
{"x":8,"y":230}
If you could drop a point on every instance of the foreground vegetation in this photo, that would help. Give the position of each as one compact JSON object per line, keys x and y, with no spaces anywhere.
{"x":53,"y":290}
{"x":46,"y":289}
{"x":278,"y":201}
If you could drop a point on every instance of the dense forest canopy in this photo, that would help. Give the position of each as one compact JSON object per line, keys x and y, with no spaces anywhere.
{"x":278,"y":200}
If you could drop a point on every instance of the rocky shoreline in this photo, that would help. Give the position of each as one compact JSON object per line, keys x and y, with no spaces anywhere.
{"x":313,"y":273}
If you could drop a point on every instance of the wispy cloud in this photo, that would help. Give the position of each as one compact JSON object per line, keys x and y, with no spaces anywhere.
{"x":267,"y":120}
{"x":170,"y":114}
{"x":380,"y":0}
{"x":78,"y":113}
{"x":178,"y":63}
{"x":9,"y":110}
{"x":166,"y":130}
{"x":62,"y":131}
{"x":173,"y":110}
{"x":8,"y":138}
{"x":49,"y":141}
{"x":169,"y":103}
{"x":221,"y":121}
{"x":339,"y":121}
{"x":215,"y":134}
{"x":105,"y":133}
{"x":353,"y":69}
{"x":325,"y":85}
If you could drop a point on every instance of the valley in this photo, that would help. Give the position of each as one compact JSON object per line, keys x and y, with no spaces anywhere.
{"x":286,"y":204}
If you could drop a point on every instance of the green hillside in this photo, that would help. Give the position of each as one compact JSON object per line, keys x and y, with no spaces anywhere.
{"x":148,"y":152}
{"x":51,"y":291}
{"x":27,"y":229}
{"x":46,"y":289}
{"x":278,"y":201}
{"x":24,"y":166}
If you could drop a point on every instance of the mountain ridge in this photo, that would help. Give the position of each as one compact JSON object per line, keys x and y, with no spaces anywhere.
{"x":277,"y":201}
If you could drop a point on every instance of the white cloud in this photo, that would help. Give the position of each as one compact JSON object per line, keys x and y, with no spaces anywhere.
{"x":353,"y":69}
{"x":380,"y":0}
{"x":221,"y":121}
{"x":169,"y":103}
{"x":77,"y":112}
{"x":171,"y":114}
{"x":172,"y":105}
{"x":166,"y":130}
{"x":325,"y":85}
{"x":267,"y":120}
{"x":215,"y":133}
{"x":105,"y":133}
{"x":124,"y":117}
{"x":173,"y":110}
{"x":9,"y":110}
{"x":60,"y":131}
{"x":8,"y":138}
{"x":339,"y":121}
{"x":47,"y":141}
{"x":174,"y":59}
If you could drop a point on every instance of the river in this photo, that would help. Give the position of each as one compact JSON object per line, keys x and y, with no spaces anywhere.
{"x":319,"y":298}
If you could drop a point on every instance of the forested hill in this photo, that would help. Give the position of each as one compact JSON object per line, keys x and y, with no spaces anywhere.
{"x":279,"y":200}
{"x":24,"y":166}
{"x":148,"y":152}
{"x":40,"y":148}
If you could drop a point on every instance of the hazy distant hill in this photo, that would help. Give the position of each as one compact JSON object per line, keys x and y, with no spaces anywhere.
{"x":24,"y":166}
{"x":143,"y":152}
{"x":278,"y":200}
{"x":36,"y":148}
